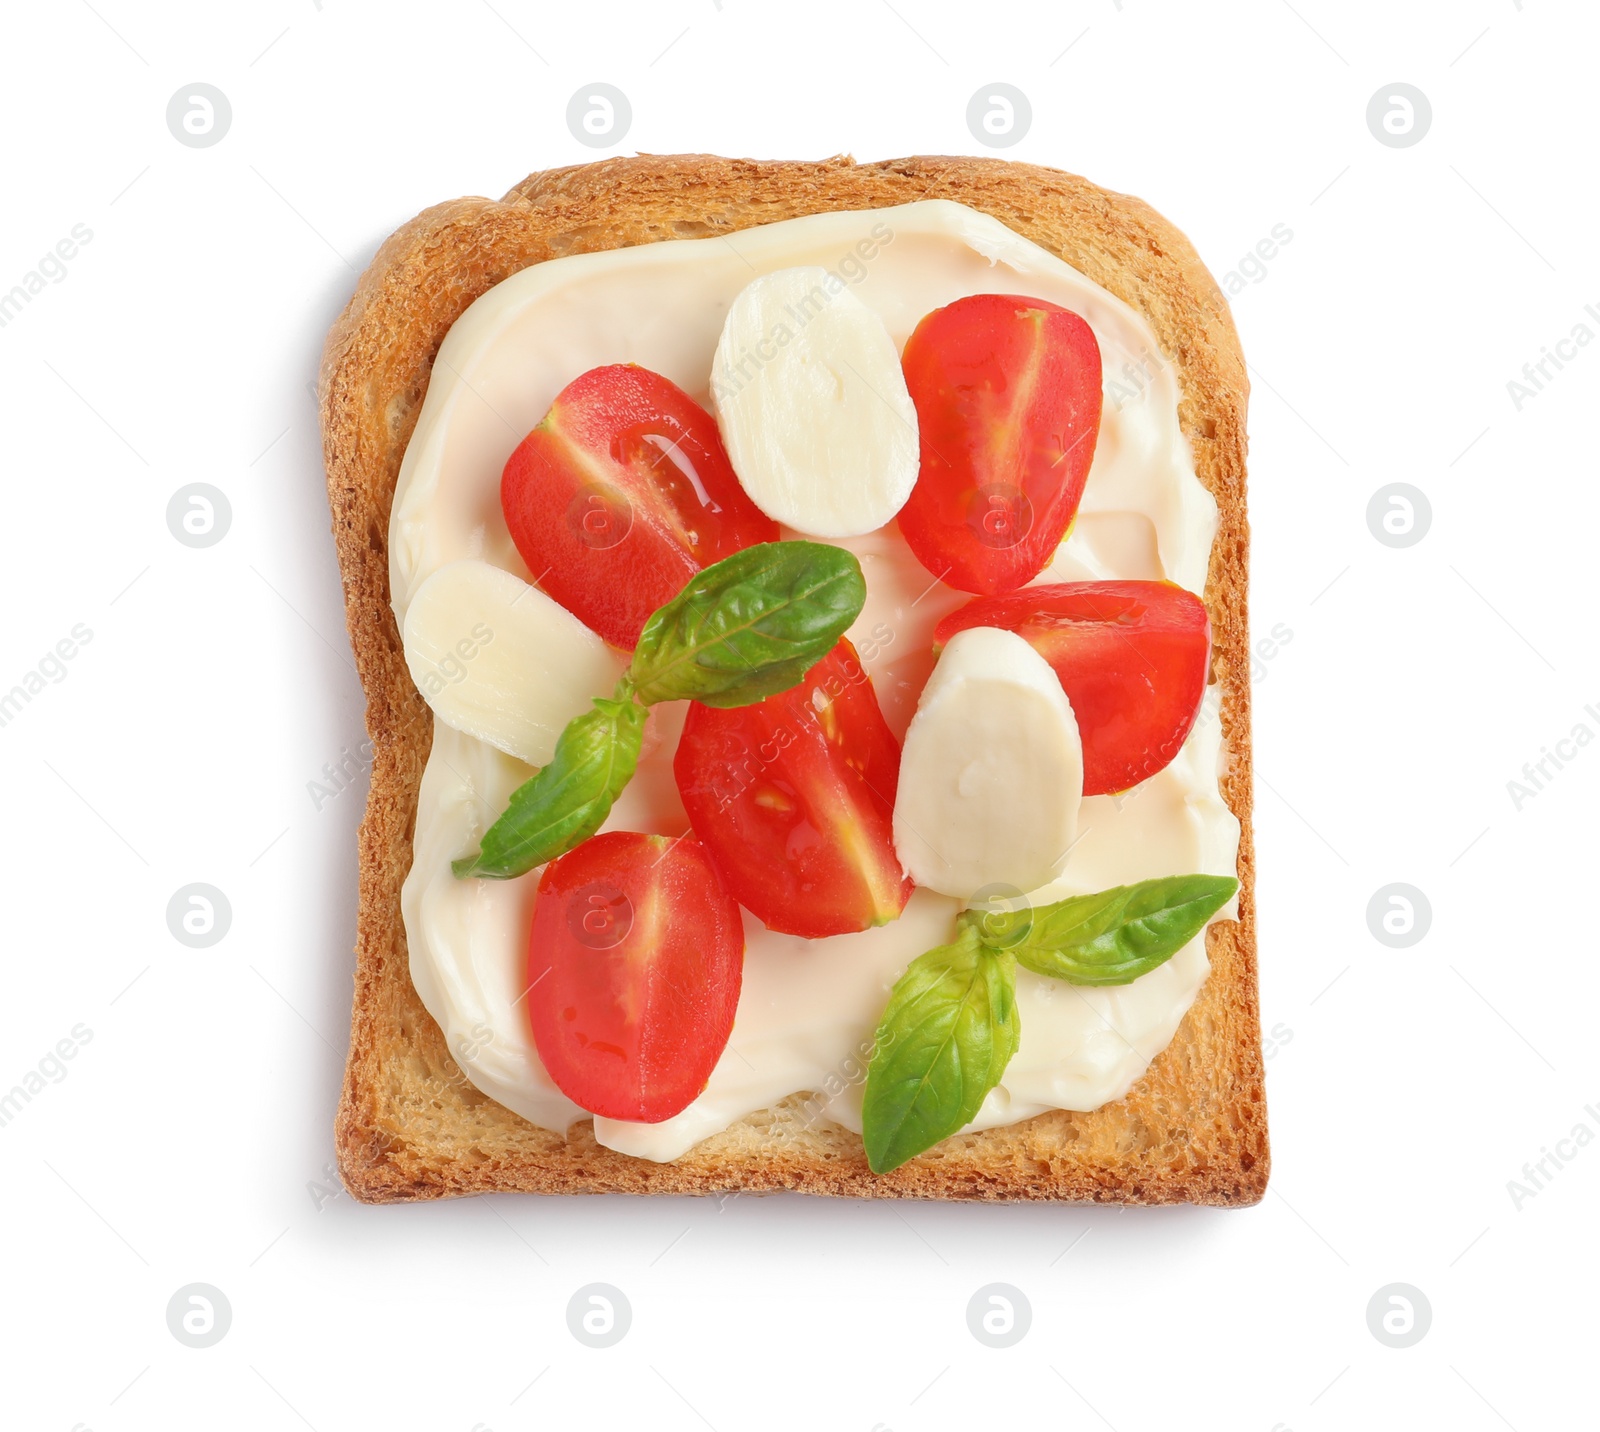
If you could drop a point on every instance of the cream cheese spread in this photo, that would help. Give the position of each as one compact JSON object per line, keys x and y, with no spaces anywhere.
{"x":808,"y":1008}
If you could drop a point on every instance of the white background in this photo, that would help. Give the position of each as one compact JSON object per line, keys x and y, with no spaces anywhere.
{"x":189,"y":1139}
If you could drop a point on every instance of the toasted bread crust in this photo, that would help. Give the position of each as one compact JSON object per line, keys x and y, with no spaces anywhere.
{"x":409,"y":1125}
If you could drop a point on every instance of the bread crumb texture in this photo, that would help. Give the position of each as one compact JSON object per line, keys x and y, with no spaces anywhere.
{"x":409,"y":1125}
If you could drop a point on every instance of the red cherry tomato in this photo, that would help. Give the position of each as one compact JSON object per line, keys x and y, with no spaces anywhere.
{"x":634,"y":964}
{"x":621,"y":495}
{"x":794,"y":798}
{"x":1132,"y":657}
{"x":1007,"y":392}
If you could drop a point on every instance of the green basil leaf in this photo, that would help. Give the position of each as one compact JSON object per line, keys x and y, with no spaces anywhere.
{"x":945,"y":1039}
{"x":750,"y":625}
{"x":1115,"y":936}
{"x":570,"y":798}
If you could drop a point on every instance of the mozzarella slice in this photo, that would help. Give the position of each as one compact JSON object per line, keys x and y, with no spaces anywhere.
{"x":991,"y":775}
{"x":500,"y":660}
{"x":813,"y":406}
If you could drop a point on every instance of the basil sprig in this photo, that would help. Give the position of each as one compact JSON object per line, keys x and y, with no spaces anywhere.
{"x":570,"y":798}
{"x":743,"y":629}
{"x":750,"y":626}
{"x":944,"y":1041}
{"x":951,"y":1025}
{"x":1113,"y":937}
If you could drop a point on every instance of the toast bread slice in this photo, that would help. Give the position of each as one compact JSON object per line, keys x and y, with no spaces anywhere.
{"x":409,"y":1124}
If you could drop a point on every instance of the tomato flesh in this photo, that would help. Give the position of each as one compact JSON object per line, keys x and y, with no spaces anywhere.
{"x":634,"y":965}
{"x":1007,"y":392}
{"x":1133,"y":658}
{"x":621,"y":494}
{"x":794,"y":798}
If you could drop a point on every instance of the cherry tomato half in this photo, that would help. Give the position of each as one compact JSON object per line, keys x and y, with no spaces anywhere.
{"x":634,"y":966}
{"x":1132,"y":657}
{"x":621,"y":494}
{"x":794,"y":798}
{"x":1007,"y":392}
